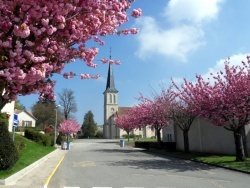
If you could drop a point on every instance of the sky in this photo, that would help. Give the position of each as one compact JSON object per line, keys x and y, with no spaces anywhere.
{"x":177,"y":39}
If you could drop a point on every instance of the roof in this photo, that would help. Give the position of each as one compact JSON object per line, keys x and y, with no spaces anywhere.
{"x":110,"y":86}
{"x":27,"y":112}
{"x":122,"y":110}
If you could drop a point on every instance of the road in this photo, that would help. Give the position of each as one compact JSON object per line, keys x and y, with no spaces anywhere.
{"x":103,"y":163}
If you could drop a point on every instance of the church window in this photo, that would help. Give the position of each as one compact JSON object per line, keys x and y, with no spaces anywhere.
{"x":114,"y":98}
{"x":110,"y":98}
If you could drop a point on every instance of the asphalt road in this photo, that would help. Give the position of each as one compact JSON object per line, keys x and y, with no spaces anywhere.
{"x":103,"y":163}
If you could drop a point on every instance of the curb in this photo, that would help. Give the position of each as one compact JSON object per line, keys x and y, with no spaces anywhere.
{"x":11,"y":180}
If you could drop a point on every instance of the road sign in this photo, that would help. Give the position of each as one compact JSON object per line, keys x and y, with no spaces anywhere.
{"x":15,"y":122}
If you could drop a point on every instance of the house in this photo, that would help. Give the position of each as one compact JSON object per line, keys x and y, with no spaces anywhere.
{"x":9,"y":109}
{"x":25,"y":119}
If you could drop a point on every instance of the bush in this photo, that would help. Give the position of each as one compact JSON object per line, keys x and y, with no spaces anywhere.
{"x":60,"y":138}
{"x":4,"y":119}
{"x":131,"y":136}
{"x":8,"y":151}
{"x":99,"y":134}
{"x":169,"y":146}
{"x":19,"y":144}
{"x":37,"y":137}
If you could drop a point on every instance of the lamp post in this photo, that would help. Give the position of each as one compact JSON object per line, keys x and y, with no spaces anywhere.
{"x":55,"y":125}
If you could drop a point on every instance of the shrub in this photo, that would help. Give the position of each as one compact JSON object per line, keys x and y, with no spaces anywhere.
{"x":169,"y":146}
{"x":37,"y":137}
{"x":19,"y":144}
{"x":8,"y":151}
{"x":131,"y":136}
{"x":60,"y":138}
{"x":99,"y":134}
{"x":4,"y":119}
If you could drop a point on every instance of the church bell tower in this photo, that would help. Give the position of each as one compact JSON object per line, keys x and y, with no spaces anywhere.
{"x":110,"y":130}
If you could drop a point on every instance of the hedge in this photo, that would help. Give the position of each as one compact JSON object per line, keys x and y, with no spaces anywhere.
{"x":42,"y":139}
{"x":169,"y":146}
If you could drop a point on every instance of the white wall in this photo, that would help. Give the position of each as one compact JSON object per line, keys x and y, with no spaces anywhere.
{"x":206,"y":137}
{"x":23,"y":116}
{"x":9,"y":109}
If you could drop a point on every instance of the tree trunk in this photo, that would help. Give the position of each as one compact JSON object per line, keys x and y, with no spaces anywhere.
{"x":3,"y":102}
{"x":186,"y":141}
{"x":244,"y":139}
{"x":128,"y":135}
{"x":67,"y":137}
{"x":158,"y":135}
{"x":240,"y":154}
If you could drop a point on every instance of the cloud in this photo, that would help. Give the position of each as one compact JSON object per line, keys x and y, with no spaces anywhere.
{"x":176,"y":42}
{"x":219,"y":66}
{"x":193,"y":11}
{"x":184,"y":35}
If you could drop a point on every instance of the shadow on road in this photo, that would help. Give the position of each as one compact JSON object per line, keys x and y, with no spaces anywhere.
{"x":141,"y":159}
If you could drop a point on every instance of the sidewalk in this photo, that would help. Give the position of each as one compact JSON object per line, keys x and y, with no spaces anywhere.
{"x":35,"y":175}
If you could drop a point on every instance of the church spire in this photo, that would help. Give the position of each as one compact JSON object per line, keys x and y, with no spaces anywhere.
{"x":110,"y":86}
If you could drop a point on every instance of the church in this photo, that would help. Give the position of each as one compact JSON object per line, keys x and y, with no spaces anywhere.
{"x":112,"y":110}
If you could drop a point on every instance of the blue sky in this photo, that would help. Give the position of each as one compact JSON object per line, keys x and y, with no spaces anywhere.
{"x":177,"y":39}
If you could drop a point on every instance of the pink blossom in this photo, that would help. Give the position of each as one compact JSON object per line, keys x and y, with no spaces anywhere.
{"x":136,"y":13}
{"x":44,"y":39}
{"x":69,"y":127}
{"x":23,"y":31}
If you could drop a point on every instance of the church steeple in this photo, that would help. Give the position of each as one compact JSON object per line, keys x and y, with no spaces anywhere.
{"x":110,"y":130}
{"x":110,"y":86}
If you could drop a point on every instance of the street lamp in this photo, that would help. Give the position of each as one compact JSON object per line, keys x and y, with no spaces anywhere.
{"x":57,"y":106}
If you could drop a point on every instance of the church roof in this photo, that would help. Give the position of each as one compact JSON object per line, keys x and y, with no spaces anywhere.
{"x":110,"y":86}
{"x":122,"y":110}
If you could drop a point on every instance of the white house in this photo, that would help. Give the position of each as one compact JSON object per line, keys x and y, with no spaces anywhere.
{"x":25,"y":119}
{"x":9,"y":109}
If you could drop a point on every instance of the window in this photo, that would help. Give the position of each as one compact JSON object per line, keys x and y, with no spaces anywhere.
{"x":114,"y":98}
{"x":169,"y":138}
{"x":27,"y":123}
{"x":110,"y":98}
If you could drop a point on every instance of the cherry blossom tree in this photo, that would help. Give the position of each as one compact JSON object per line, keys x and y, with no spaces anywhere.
{"x":224,"y":101}
{"x":179,"y":113}
{"x":69,"y":127}
{"x":39,"y":37}
{"x":154,"y":113}
{"x":125,"y":121}
{"x":181,"y":116}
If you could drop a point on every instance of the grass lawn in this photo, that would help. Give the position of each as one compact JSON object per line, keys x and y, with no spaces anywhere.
{"x":227,"y":161}
{"x":31,"y":153}
{"x":221,"y":160}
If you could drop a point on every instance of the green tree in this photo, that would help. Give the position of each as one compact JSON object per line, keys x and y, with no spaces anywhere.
{"x":89,"y":126}
{"x":19,"y":105}
{"x":8,"y":151}
{"x":45,"y":114}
